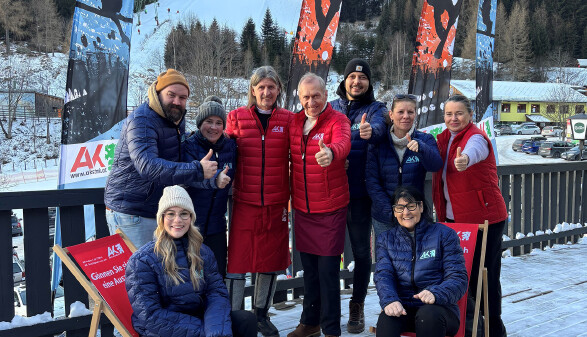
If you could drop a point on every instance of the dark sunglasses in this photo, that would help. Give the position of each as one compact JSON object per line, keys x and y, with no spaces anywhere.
{"x":404,"y":96}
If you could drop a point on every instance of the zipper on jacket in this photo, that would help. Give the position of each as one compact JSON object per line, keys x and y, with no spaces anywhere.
{"x":263,"y":167}
{"x":400,"y":176}
{"x":205,"y":229}
{"x":413,"y":242}
{"x":304,"y":146}
{"x":179,"y":141}
{"x":263,"y":133}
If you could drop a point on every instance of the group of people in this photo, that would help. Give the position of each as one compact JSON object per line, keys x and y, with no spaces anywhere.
{"x":347,"y":164}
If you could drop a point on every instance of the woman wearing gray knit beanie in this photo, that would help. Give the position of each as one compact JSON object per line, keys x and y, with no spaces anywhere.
{"x":210,"y":196}
{"x":168,"y":278}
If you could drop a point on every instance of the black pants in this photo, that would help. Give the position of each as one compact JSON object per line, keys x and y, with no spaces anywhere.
{"x":321,"y":292}
{"x":359,"y":227}
{"x":217,"y":243}
{"x":493,"y":265}
{"x":244,"y":323}
{"x":429,"y":320}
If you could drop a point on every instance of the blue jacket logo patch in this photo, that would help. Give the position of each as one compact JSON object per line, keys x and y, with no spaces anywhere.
{"x":412,"y":160}
{"x":428,"y":254}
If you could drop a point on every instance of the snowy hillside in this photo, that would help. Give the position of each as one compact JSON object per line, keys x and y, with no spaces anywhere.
{"x":148,"y":38}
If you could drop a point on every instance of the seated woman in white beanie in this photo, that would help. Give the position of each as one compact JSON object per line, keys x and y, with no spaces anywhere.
{"x":173,"y":282}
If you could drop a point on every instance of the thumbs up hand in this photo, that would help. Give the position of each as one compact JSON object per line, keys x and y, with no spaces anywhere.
{"x":365,"y":129}
{"x":223,"y":179}
{"x":324,"y":156}
{"x":209,"y":166}
{"x":461,"y":160}
{"x":412,"y":144}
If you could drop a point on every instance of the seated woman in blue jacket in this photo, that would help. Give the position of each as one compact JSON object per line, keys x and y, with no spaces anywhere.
{"x":420,"y":273}
{"x":173,"y":283}
{"x":403,"y":158}
{"x":211,"y":195}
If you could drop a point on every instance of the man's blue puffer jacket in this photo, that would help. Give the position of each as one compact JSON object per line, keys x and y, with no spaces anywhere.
{"x":163,"y":309}
{"x":146,"y":160}
{"x":210,"y":202}
{"x":354,"y":110}
{"x":435,"y":263}
{"x":385,"y":173}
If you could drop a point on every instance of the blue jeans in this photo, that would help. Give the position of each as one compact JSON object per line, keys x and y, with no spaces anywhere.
{"x":379,"y":227}
{"x":138,"y":229}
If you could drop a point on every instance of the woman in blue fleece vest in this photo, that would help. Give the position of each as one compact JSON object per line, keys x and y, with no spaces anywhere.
{"x":420,"y":273}
{"x":173,"y":283}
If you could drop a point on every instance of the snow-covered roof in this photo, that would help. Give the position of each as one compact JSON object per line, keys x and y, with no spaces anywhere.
{"x":523,"y":91}
{"x":538,"y":118}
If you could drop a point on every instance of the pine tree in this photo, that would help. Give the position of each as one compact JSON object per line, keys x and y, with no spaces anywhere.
{"x":519,"y":51}
{"x":270,"y":39}
{"x":249,"y":41}
{"x":539,"y":35}
{"x":13,"y":18}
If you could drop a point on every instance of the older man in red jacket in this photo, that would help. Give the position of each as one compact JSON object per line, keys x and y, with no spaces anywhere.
{"x":320,"y":140}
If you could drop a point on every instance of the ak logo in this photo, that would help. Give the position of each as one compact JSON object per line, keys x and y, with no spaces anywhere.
{"x":277,"y":129}
{"x":428,"y":254}
{"x":318,"y":136}
{"x":412,"y":160}
{"x":356,"y":126}
{"x":115,"y":250}
{"x":87,"y":159}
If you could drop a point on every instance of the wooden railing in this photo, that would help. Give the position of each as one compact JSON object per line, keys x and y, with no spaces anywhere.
{"x":538,"y":197}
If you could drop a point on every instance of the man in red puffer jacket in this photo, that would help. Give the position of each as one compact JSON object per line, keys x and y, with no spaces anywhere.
{"x":320,"y":140}
{"x":259,"y":233}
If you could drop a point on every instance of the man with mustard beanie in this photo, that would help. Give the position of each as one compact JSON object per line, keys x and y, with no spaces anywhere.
{"x":148,"y":157}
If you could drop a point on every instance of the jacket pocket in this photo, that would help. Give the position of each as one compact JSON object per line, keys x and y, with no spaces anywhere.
{"x":482,"y":200}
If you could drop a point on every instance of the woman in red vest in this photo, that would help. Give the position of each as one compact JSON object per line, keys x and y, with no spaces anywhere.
{"x":467,"y":191}
{"x":259,"y":234}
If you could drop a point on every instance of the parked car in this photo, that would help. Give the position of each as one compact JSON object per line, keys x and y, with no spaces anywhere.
{"x":554,"y":149}
{"x":528,"y":130}
{"x":16,"y":227}
{"x":17,"y":271}
{"x":531,"y":146}
{"x":516,"y":127}
{"x":20,"y":301}
{"x":517,"y":144}
{"x":552,"y":131}
{"x":504,"y":130}
{"x":573,"y":154}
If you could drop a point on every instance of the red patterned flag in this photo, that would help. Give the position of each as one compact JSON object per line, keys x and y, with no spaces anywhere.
{"x":313,"y":44}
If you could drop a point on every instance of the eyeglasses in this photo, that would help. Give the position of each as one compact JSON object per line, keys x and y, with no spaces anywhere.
{"x":404,"y":96}
{"x":184,"y":215}
{"x":399,"y":208}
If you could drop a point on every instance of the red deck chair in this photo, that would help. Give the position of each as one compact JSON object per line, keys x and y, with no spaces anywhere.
{"x":103,"y":262}
{"x":468,"y":235}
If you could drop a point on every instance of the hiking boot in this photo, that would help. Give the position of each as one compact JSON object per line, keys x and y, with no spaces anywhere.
{"x":264,"y":325}
{"x":356,"y":322}
{"x":304,"y":330}
{"x":266,"y":328}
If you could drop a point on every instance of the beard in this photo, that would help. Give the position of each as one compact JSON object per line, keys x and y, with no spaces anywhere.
{"x":174,"y":113}
{"x":359,"y":96}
